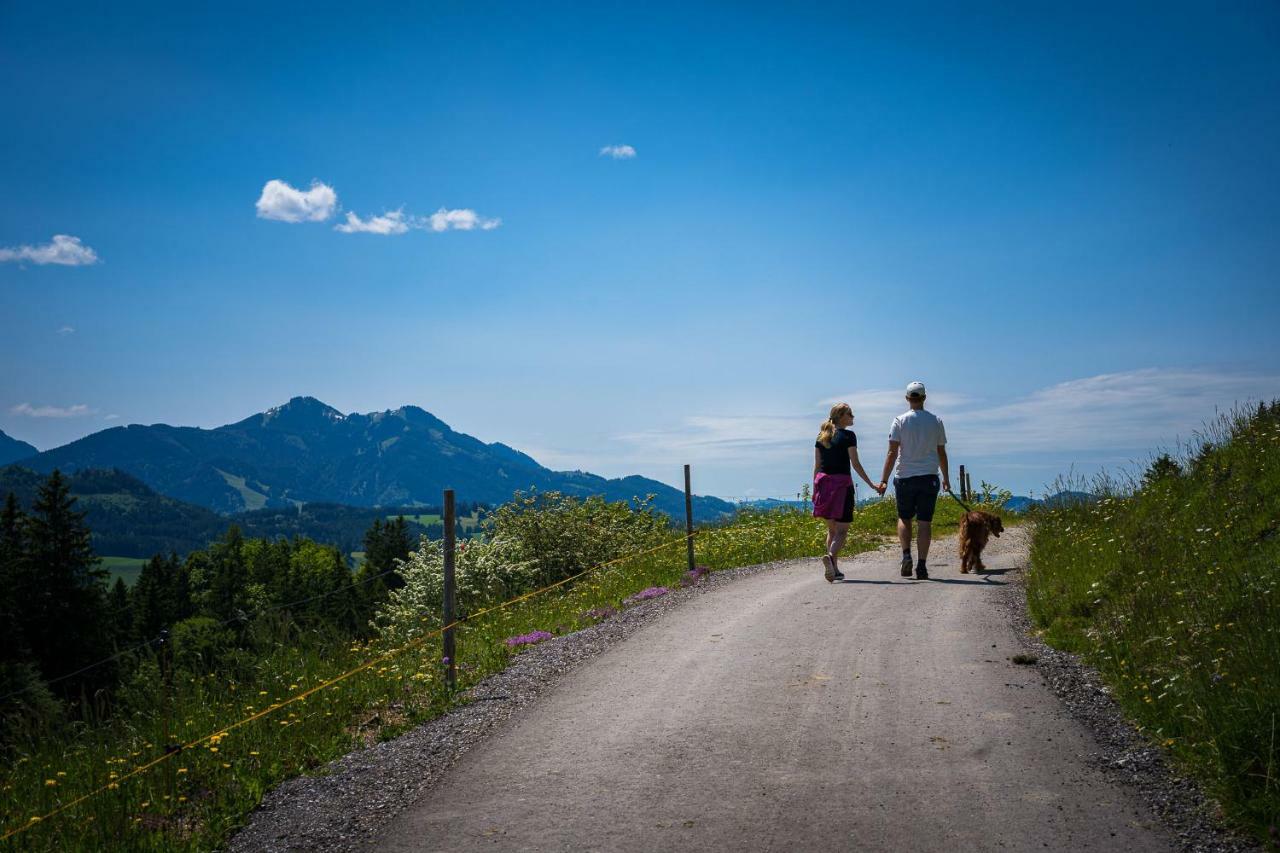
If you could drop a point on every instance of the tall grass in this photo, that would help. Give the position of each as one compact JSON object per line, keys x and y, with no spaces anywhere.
{"x":194,"y":799}
{"x":1169,"y":586}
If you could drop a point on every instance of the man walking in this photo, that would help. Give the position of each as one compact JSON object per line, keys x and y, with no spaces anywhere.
{"x":917,"y":442}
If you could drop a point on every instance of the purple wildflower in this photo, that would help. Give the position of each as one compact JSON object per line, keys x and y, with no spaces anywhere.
{"x":697,"y":574}
{"x":528,"y":639}
{"x":646,"y":594}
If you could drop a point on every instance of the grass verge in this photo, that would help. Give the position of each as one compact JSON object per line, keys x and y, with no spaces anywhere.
{"x":1169,"y":587}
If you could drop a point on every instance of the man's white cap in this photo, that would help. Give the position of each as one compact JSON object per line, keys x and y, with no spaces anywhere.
{"x":915,"y":389}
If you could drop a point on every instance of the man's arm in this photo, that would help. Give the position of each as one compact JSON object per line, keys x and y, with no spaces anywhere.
{"x":946,"y":468}
{"x":889,"y":459}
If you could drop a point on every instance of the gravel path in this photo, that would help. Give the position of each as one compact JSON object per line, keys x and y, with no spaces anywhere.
{"x":915,"y":707}
{"x":352,"y":798}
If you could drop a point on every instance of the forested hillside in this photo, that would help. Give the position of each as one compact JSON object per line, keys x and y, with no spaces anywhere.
{"x":129,"y":519}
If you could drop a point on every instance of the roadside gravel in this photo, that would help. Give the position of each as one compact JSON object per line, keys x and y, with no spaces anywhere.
{"x":1123,"y":752}
{"x":348,"y":801}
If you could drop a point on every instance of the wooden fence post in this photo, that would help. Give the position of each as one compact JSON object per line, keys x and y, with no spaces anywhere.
{"x":968,"y":484}
{"x":964,"y":493}
{"x":688,"y":516}
{"x":450,"y":647}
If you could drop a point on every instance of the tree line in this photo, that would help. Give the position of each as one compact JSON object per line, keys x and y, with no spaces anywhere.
{"x":69,"y":638}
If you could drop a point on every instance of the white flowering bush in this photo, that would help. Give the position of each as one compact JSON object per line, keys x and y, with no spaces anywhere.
{"x":533,"y":541}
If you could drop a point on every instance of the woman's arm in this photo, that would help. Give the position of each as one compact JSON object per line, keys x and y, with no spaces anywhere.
{"x":857,"y":466}
{"x":817,"y":461}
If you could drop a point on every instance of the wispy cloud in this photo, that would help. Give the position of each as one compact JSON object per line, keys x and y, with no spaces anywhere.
{"x":67,"y":330}
{"x":396,"y":222}
{"x":64,"y":250}
{"x":77,"y":411}
{"x":463,"y":219}
{"x":618,"y":152}
{"x":284,"y":203}
{"x":111,"y":417}
{"x":1114,"y":415}
{"x":391,"y":222}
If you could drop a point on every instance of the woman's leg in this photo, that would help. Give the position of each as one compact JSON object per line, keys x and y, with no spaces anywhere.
{"x":836,"y":537}
{"x":831,"y":533}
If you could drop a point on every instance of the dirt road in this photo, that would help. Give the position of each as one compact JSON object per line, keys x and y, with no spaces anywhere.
{"x":784,"y":713}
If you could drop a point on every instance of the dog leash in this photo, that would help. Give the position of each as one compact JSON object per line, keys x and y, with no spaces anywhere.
{"x":967,"y":508}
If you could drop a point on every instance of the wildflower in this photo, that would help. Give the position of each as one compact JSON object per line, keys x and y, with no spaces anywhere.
{"x":253,"y":752}
{"x":182,"y":770}
{"x":49,"y":783}
{"x":528,"y":639}
{"x":646,"y":594}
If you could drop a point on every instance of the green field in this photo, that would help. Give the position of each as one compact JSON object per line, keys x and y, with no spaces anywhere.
{"x":123,"y":567}
{"x":424,"y":518}
{"x":468,"y":522}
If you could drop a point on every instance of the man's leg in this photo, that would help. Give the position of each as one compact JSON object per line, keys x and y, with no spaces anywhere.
{"x":904,"y":534}
{"x":928,"y":501}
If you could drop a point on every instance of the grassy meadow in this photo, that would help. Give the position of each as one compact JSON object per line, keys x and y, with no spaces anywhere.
{"x":123,"y":567}
{"x":1170,"y":586}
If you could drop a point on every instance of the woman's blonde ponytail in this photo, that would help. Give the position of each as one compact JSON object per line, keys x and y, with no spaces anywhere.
{"x":828,"y":430}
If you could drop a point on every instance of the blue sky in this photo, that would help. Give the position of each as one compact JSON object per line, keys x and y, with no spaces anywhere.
{"x":1065,"y":222}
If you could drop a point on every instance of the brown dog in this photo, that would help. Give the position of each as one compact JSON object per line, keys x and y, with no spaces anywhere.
{"x":975,"y":528}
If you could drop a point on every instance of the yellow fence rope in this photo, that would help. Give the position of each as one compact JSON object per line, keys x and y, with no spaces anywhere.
{"x":270,"y":709}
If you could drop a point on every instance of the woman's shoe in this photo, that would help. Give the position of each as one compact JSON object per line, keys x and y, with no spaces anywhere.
{"x":828,"y":568}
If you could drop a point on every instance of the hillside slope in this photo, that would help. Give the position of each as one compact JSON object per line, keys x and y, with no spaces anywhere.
{"x":11,"y":449}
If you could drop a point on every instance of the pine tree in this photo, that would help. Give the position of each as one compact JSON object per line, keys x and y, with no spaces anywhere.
{"x":64,"y":612}
{"x":121,"y":624}
{"x":228,"y":585}
{"x":13,"y":581}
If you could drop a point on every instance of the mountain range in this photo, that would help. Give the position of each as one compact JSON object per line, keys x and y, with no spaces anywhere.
{"x":306,"y":452}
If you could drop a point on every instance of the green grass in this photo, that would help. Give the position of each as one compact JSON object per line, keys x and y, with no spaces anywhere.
{"x":424,"y":518}
{"x":123,"y":567}
{"x":194,"y":800}
{"x":1171,"y":588}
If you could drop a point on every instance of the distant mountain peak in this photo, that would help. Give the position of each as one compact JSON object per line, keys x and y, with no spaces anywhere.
{"x":305,"y":408}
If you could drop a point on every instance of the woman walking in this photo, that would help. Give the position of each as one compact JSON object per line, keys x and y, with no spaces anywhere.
{"x":835,"y":457}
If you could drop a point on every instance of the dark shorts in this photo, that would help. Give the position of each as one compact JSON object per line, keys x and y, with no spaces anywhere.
{"x":917,"y":496}
{"x":847,"y":515}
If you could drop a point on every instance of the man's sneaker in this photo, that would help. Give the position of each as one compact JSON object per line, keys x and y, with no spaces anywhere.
{"x":906,"y":565}
{"x":828,"y":568}
{"x":922,"y":573}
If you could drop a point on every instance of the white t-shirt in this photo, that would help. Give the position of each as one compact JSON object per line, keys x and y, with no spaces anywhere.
{"x":919,"y":435}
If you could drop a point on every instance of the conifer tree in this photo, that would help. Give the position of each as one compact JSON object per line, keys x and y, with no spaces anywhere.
{"x":64,"y":614}
{"x":229,"y":578}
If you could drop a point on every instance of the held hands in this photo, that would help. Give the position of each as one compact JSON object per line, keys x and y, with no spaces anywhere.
{"x":880,"y":488}
{"x":946,"y":484}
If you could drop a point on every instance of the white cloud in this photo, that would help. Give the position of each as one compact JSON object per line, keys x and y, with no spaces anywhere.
{"x":67,"y":330}
{"x":618,"y":152}
{"x":395,"y":222}
{"x":282,"y":202}
{"x":111,"y":417}
{"x":64,"y":250}
{"x":391,"y":222}
{"x":77,"y":411}
{"x":463,"y":219}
